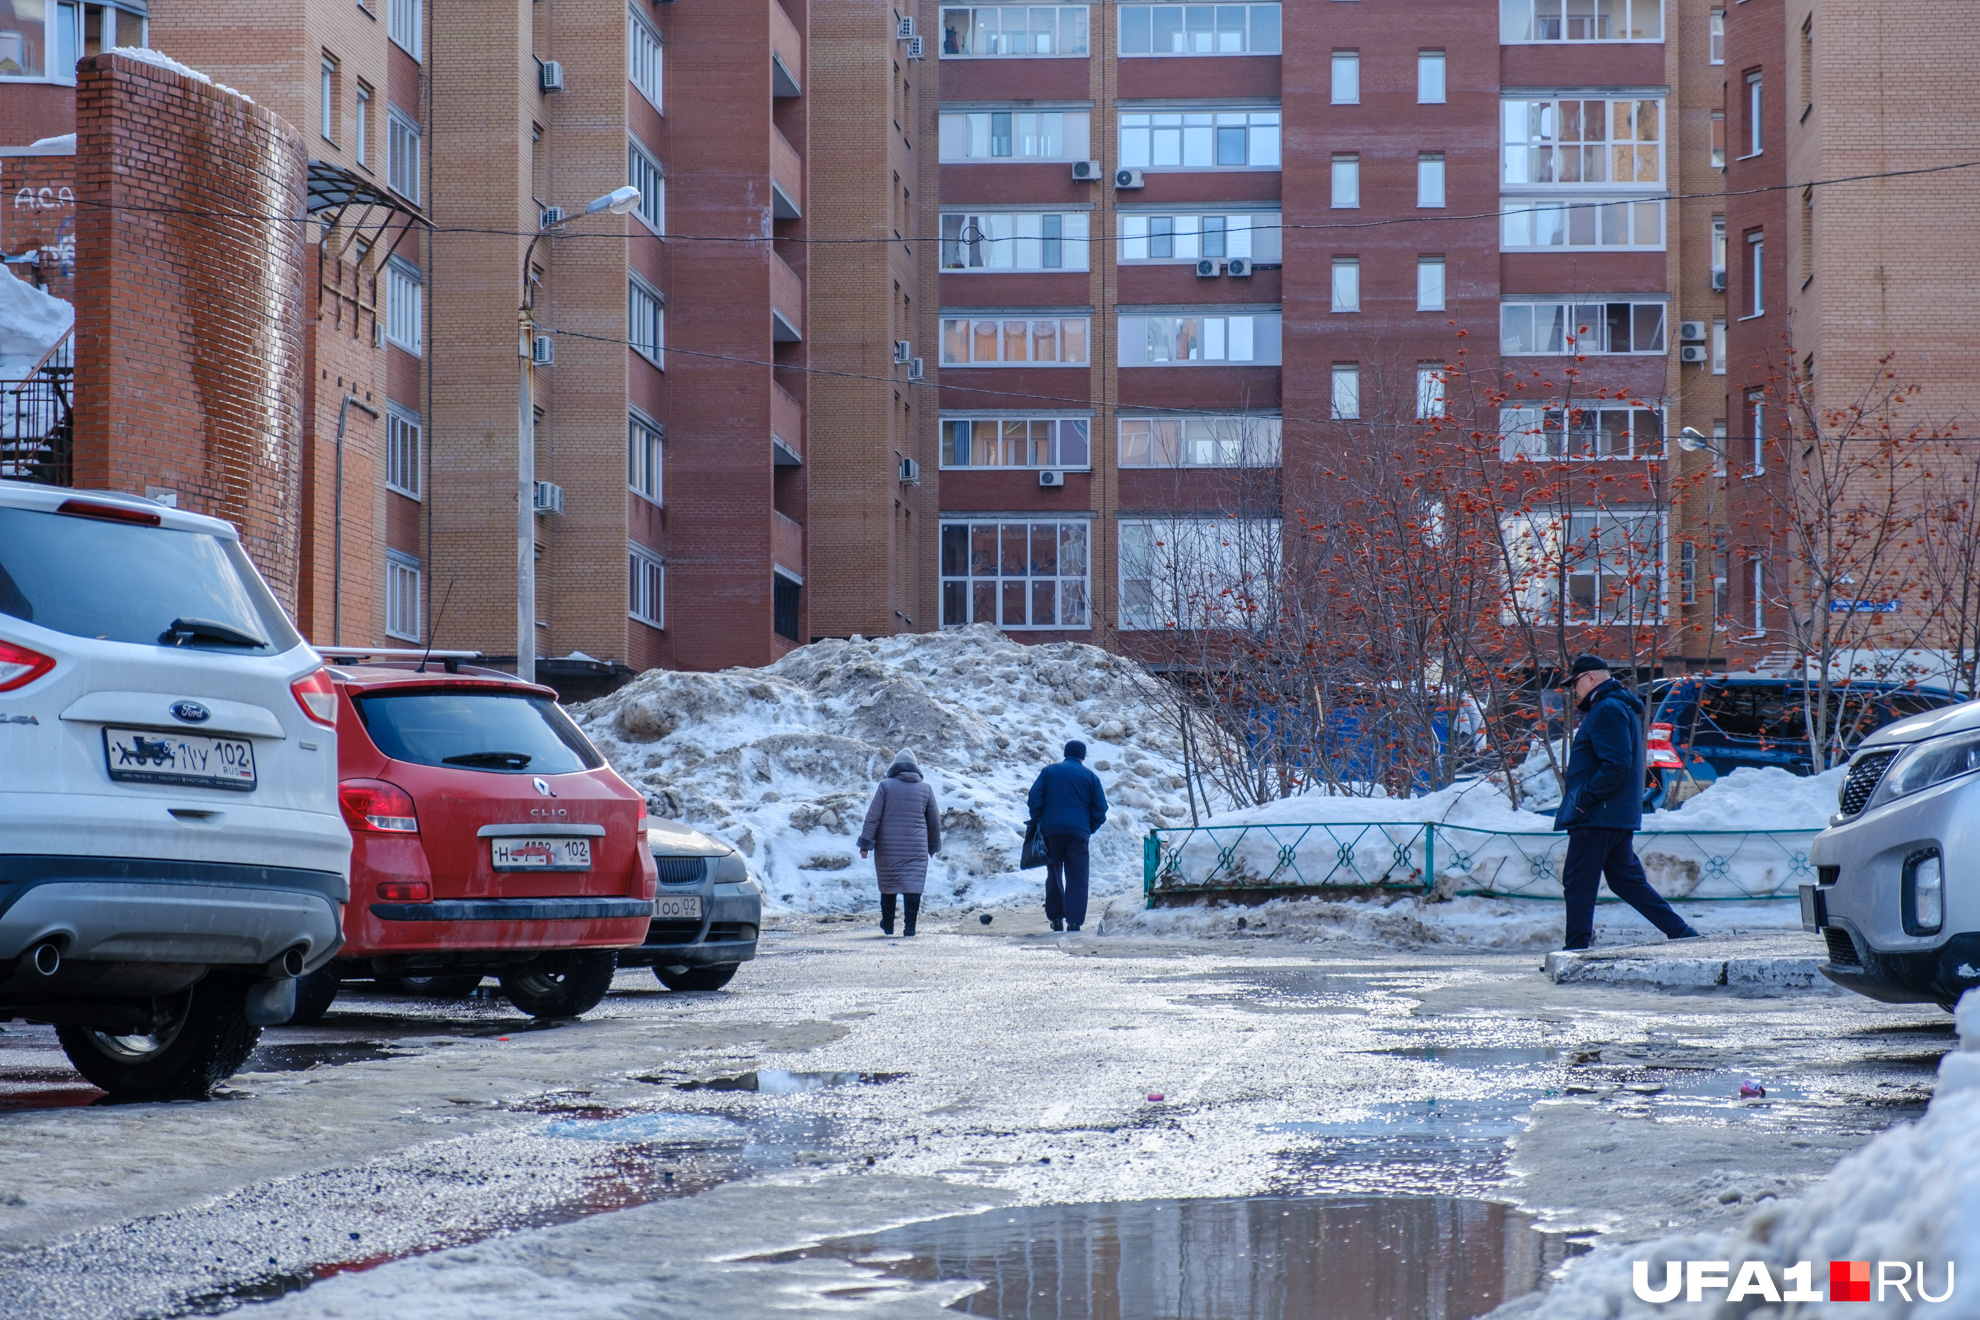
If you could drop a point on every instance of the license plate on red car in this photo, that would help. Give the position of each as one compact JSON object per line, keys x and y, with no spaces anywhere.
{"x":540,"y":854}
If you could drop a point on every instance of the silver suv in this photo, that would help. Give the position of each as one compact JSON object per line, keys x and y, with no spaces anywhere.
{"x":1897,"y":896}
{"x":171,"y":853}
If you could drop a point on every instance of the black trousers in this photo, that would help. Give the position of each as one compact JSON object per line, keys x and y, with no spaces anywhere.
{"x":1595,"y":853}
{"x":912,"y":904}
{"x":1065,"y":879}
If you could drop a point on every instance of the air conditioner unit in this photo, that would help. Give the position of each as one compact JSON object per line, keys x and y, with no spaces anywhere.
{"x":916,"y":369}
{"x":1206,"y":268}
{"x":915,"y":49}
{"x":1692,"y":353}
{"x":1125,"y":178}
{"x":1718,"y":281}
{"x":543,"y":351}
{"x":549,"y":497}
{"x":552,"y":215}
{"x":1238,"y":268}
{"x":904,"y":27}
{"x":910,"y":472}
{"x":550,"y":77}
{"x":1086,"y":171}
{"x":1691,"y":332}
{"x":1051,"y":478}
{"x":903,"y":351}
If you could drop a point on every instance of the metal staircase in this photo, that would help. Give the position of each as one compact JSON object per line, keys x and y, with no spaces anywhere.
{"x":37,"y":420}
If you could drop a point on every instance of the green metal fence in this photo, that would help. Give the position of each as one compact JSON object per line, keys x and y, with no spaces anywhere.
{"x":1419,"y":857}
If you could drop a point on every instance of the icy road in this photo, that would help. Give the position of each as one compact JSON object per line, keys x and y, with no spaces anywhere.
{"x":990,"y":1118}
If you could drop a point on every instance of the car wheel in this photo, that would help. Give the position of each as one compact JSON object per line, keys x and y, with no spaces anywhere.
{"x":203,"y":1044}
{"x":459,"y":985}
{"x":315,"y":993}
{"x":563,"y":985}
{"x":697,"y":978}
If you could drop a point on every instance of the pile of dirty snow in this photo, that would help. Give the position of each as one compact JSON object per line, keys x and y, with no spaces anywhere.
{"x":1911,"y":1195}
{"x":782,"y":761}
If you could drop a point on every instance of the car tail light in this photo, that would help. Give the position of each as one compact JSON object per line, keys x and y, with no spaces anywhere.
{"x":372,"y":806}
{"x":405,"y":891}
{"x":1662,"y":755}
{"x":317,"y":695}
{"x":109,"y":512}
{"x":647,"y":883}
{"x":20,"y":666}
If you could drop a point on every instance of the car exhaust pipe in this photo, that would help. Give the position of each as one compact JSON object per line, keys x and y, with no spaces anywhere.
{"x":42,"y":959}
{"x":287,"y":965}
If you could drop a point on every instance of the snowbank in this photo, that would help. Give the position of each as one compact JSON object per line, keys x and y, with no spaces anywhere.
{"x":781,"y":761}
{"x":31,"y":323}
{"x":1911,"y":1195}
{"x":160,"y":60}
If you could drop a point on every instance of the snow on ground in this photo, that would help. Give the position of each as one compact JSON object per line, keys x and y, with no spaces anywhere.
{"x":782,"y":761}
{"x":1911,"y":1195}
{"x":31,"y":323}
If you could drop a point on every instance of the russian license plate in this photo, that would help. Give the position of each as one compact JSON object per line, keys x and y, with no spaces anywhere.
{"x":685,"y":908}
{"x":541,"y":854}
{"x":197,"y":760}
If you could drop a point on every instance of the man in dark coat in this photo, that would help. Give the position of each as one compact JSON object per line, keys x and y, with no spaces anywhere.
{"x":1068,"y":804}
{"x":1602,"y":806}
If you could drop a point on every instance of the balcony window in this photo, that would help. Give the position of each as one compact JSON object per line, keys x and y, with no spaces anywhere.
{"x":1541,"y":226}
{"x":1190,"y":572}
{"x":1554,"y":142}
{"x":1611,"y":563}
{"x":987,"y":135}
{"x":1589,"y":432}
{"x":1155,"y":239}
{"x":1014,"y":341}
{"x":1201,"y":140}
{"x":1558,"y":328}
{"x":1005,"y":30}
{"x":1019,"y":575}
{"x":1208,"y":442}
{"x":1523,"y":21}
{"x":1199,"y":339}
{"x":1014,"y":240}
{"x":1199,"y":29}
{"x":1016,"y":442}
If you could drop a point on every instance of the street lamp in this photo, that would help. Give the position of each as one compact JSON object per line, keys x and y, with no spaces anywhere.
{"x":617,"y":202}
{"x":1694,"y":441}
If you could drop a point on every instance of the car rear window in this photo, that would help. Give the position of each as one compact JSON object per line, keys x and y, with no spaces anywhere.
{"x":503,"y":732}
{"x":122,"y":583}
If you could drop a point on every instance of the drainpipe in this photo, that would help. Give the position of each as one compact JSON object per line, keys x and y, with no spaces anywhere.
{"x":337,"y":534}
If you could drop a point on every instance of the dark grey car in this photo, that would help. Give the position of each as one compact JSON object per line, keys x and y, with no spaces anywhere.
{"x":706,"y":911}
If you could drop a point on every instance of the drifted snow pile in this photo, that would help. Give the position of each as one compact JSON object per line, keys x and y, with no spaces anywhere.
{"x":1911,"y":1195}
{"x":781,"y":761}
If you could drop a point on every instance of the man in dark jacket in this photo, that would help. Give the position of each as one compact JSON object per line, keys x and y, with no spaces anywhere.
{"x":1602,"y":806}
{"x":1068,"y":804}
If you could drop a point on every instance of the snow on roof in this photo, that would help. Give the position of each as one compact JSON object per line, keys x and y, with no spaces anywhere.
{"x":61,"y":145}
{"x":160,"y":60}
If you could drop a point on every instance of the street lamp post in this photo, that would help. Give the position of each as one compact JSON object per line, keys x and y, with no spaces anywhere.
{"x":617,"y":202}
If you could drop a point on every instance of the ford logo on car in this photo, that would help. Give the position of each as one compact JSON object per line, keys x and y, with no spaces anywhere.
{"x":191,"y":712}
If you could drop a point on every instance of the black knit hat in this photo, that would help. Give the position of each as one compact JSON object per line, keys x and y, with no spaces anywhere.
{"x":1076,"y":750}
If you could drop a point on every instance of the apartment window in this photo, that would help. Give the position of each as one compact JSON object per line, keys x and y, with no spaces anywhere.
{"x":402,"y":590}
{"x":643,"y":457}
{"x":1347,"y":77}
{"x":1196,"y":572}
{"x":1756,"y":420}
{"x":1429,"y":284}
{"x":786,"y":593}
{"x":643,"y":173}
{"x":643,"y":58}
{"x":1610,"y":562}
{"x":1807,"y":64}
{"x":1430,"y":77}
{"x":329,"y":100}
{"x":361,"y":127}
{"x":1753,"y":114}
{"x":1186,"y":238}
{"x":1807,"y":236}
{"x":402,"y":155}
{"x":1016,"y":442}
{"x":1719,"y":461}
{"x":403,"y":295}
{"x":646,"y":322}
{"x":1522,"y":21}
{"x":1430,"y":179}
{"x":1719,"y":248}
{"x":1555,"y":142}
{"x":1687,"y":573}
{"x":1000,"y":341}
{"x":1721,"y":575}
{"x":1718,"y":139}
{"x":1207,"y":442}
{"x":1756,"y":251}
{"x":1180,"y":339}
{"x":1719,"y":346}
{"x":1347,"y":284}
{"x":1201,"y":140}
{"x":1015,"y":573}
{"x":1717,"y":50}
{"x":1014,"y":240}
{"x":402,"y":23}
{"x":1430,"y":400}
{"x":1345,"y":185}
{"x":1198,"y":29}
{"x":1540,"y":328}
{"x":1757,"y":585}
{"x":402,"y":444}
{"x":1539,"y":226}
{"x":976,"y":30}
{"x":646,"y":580}
{"x":1346,"y":398}
{"x":986,"y":135}
{"x":1582,"y":432}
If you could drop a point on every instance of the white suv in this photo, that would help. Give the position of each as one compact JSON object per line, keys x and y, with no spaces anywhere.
{"x":171,"y":854}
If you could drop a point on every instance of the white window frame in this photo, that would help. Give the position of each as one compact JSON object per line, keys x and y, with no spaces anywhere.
{"x":1196,"y":440}
{"x":1344,"y":182}
{"x":1569,"y":316}
{"x":1544,"y":142}
{"x":1432,"y":391}
{"x":644,"y":173}
{"x":403,"y":583}
{"x":1432,"y":77}
{"x":1543,"y":433}
{"x":1014,"y":240}
{"x":1715,"y":52}
{"x":1543,"y":551}
{"x":1043,"y":441}
{"x":404,"y":442}
{"x":402,"y":148}
{"x":1070,"y":37}
{"x":1072,"y":592}
{"x":1755,"y":128}
{"x":1432,"y":284}
{"x":646,"y":321}
{"x":1344,"y":291}
{"x":1344,"y":87}
{"x":1758,"y":586}
{"x":404,"y":23}
{"x":1209,"y":337}
{"x":1187,"y":573}
{"x":1756,"y":274}
{"x":1261,"y":34}
{"x":645,"y":59}
{"x":1344,"y":402}
{"x":1193,"y":141}
{"x":1526,"y":23}
{"x":1585,"y":224}
{"x":361,"y":124}
{"x":327,"y":111}
{"x":1253,"y":235}
{"x":1756,"y":419}
{"x":405,"y":296}
{"x":971,"y":137}
{"x":646,"y":443}
{"x":968,"y":326}
{"x":1430,"y":189}
{"x":646,"y":586}
{"x":1719,"y":346}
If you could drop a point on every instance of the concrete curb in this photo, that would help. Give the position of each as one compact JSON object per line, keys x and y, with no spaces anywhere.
{"x":1749,"y":966}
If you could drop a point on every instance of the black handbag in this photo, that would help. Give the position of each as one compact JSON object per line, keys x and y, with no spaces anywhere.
{"x":1033,"y":855}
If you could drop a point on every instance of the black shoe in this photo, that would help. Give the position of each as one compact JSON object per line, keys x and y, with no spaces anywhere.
{"x":1057,"y":924}
{"x":1577,"y":948}
{"x":1073,"y":929}
{"x":1689,"y":934}
{"x":886,"y":928}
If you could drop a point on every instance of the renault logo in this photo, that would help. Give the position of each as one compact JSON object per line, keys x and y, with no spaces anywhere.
{"x":542,"y":788}
{"x":191,"y":712}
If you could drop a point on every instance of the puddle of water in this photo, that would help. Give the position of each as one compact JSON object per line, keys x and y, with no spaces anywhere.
{"x":1255,"y":1258}
{"x":651,"y":1129}
{"x":780,"y":1081}
{"x":302,"y":1056}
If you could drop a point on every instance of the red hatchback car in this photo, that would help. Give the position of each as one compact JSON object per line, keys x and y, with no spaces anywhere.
{"x":490,"y":838}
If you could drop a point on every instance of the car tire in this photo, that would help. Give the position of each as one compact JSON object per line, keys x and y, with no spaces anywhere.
{"x":458,"y":985}
{"x":205,"y":1044}
{"x":315,"y":992}
{"x":563,"y":985}
{"x":697,"y":978}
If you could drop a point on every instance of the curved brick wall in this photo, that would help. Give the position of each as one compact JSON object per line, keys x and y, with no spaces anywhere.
{"x":189,"y":302}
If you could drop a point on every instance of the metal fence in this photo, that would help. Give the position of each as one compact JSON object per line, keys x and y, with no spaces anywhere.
{"x":1419,"y":857}
{"x":36,"y":425}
